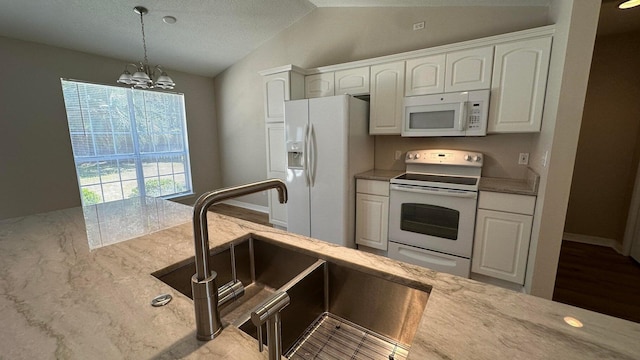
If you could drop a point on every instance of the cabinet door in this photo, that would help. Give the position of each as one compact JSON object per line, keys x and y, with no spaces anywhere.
{"x":425,"y":75}
{"x":387,"y":93}
{"x":277,"y":211}
{"x":276,"y":91}
{"x":372,"y":218}
{"x":276,"y":154}
{"x":352,"y":81}
{"x":501,"y":245}
{"x":276,"y":168}
{"x":469,"y":69}
{"x":318,"y":85}
{"x":518,"y":86}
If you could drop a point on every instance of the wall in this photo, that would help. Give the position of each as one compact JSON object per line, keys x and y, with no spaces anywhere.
{"x":36,"y":161}
{"x":335,"y":35}
{"x":607,"y":157}
{"x":500,"y":151}
{"x":576,"y":23}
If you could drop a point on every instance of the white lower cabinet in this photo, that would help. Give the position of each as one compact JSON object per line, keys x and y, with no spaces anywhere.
{"x":372,"y":213}
{"x":502,"y":236}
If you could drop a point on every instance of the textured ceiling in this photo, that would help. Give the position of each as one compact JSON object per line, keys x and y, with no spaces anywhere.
{"x":210,"y":35}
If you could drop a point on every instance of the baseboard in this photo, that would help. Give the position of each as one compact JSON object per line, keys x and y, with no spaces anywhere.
{"x":593,"y":240}
{"x":245,"y":205}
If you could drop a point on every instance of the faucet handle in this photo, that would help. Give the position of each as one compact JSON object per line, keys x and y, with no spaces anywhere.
{"x":260,"y":343}
{"x":269,"y":312}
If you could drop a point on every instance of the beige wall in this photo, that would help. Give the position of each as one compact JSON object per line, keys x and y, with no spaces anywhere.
{"x":607,"y":157}
{"x":576,"y":23}
{"x":335,"y":35}
{"x":37,"y":172}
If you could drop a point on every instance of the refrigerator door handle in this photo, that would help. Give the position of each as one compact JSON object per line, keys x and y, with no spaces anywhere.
{"x":305,"y":161}
{"x":312,"y":155}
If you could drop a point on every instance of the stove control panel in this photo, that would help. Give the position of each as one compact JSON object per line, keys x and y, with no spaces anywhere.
{"x":444,"y":157}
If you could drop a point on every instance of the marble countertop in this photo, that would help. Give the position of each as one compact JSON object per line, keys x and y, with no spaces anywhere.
{"x":526,"y":186}
{"x":380,"y":175}
{"x":62,"y":300}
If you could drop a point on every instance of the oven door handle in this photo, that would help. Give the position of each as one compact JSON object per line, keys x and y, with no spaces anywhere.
{"x":453,"y":193}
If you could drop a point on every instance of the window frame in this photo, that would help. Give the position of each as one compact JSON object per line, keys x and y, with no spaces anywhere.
{"x":137,"y":156}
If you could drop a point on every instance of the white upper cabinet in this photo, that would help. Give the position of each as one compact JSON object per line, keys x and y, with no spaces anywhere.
{"x":518,"y":85}
{"x":276,"y":91}
{"x":277,"y":88}
{"x":425,"y":75}
{"x":352,"y":81}
{"x":318,"y":85}
{"x":469,"y":69}
{"x":387,"y":95}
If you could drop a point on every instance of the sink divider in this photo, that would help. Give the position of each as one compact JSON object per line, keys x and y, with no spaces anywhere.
{"x":291,"y":283}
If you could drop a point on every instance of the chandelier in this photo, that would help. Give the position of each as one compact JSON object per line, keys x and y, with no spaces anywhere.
{"x":143,"y":76}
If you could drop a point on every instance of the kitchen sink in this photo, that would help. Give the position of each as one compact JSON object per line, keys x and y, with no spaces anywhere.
{"x":334,"y":309}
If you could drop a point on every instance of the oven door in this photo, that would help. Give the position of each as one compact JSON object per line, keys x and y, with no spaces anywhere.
{"x":435,"y":219}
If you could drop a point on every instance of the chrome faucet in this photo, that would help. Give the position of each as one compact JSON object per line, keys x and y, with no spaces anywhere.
{"x":203,"y":282}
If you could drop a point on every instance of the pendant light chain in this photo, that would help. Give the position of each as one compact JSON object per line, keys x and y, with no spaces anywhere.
{"x":144,"y":42}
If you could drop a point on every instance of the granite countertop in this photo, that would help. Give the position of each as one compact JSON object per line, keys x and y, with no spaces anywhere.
{"x":62,"y":300}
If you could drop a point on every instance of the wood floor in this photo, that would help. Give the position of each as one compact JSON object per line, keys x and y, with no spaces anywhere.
{"x":591,"y":277}
{"x":597,"y":278}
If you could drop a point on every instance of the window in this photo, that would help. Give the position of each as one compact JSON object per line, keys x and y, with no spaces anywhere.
{"x":127,"y":143}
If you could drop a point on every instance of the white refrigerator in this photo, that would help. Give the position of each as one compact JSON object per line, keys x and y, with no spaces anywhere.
{"x":327,"y":143}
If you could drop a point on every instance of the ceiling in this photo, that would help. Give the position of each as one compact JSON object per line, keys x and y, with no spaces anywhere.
{"x":208,"y":36}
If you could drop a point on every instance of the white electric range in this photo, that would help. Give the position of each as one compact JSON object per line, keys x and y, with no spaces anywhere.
{"x":432,"y":209}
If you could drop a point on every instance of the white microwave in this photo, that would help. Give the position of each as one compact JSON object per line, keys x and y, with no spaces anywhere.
{"x":450,"y":114}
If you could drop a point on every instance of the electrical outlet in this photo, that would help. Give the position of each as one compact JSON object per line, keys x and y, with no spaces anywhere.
{"x":418,"y":26}
{"x":398,"y":155}
{"x":523,"y":159}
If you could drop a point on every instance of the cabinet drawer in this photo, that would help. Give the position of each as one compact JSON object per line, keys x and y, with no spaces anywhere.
{"x":374,"y":187}
{"x":514,"y":203}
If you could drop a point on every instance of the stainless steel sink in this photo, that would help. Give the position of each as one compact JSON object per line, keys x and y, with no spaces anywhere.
{"x":334,"y":309}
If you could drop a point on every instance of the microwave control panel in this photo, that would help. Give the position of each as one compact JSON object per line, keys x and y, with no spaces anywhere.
{"x":475,"y":115}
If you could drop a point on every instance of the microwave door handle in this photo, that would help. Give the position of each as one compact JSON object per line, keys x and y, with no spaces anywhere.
{"x":462,"y":120}
{"x":462,"y":194}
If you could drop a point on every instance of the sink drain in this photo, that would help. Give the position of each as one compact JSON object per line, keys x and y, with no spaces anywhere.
{"x":161,"y":300}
